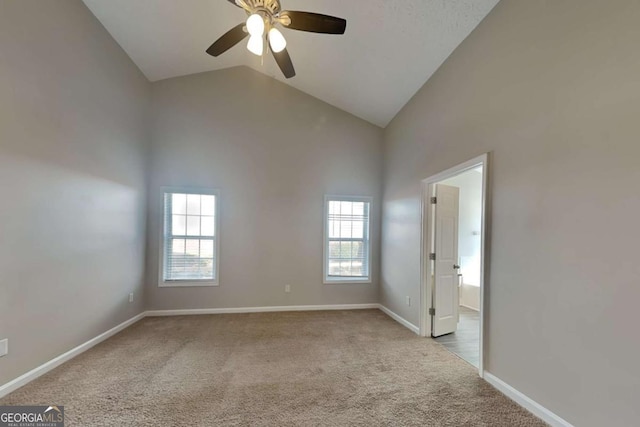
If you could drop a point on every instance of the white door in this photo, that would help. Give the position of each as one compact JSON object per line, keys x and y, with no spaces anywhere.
{"x":445,"y":289}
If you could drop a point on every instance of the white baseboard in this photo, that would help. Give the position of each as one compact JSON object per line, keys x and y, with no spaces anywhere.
{"x":190,"y":312}
{"x":24,"y":379}
{"x":529,"y":404}
{"x":54,"y":363}
{"x":469,"y":307}
{"x":526,"y":402}
{"x":404,"y":322}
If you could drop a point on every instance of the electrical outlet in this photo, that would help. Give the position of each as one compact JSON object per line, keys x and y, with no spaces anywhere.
{"x":409,"y":301}
{"x":131,"y":297}
{"x":4,"y":347}
{"x":287,"y":288}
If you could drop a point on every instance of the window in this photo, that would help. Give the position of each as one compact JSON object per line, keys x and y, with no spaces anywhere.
{"x":190,"y":238}
{"x":346,"y":249}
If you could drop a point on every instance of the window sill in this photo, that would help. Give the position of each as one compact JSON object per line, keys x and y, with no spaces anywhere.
{"x":188,"y":284}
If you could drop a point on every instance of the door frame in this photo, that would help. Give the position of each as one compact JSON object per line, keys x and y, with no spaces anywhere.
{"x":426,"y":285}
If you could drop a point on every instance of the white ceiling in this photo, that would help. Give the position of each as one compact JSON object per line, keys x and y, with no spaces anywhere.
{"x":391,"y":47}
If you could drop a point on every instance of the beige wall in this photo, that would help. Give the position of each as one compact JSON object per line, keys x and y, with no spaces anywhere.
{"x":551,"y":88}
{"x":72,"y":142}
{"x":273,"y":152}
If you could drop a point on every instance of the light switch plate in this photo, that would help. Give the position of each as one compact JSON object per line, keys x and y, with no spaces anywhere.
{"x":4,"y":347}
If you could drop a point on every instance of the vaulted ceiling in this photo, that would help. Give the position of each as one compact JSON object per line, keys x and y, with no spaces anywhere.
{"x":390,"y":49}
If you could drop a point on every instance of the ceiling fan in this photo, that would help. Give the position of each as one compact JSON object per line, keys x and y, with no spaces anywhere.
{"x":263,"y":15}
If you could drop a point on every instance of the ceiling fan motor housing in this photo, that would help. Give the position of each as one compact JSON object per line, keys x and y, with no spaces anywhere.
{"x":272,"y":7}
{"x":271,"y":13}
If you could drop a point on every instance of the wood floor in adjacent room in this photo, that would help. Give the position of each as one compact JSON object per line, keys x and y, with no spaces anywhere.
{"x":333,"y":368}
{"x":465,"y":341}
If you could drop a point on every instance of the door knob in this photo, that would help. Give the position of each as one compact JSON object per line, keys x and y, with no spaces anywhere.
{"x":456,"y":266}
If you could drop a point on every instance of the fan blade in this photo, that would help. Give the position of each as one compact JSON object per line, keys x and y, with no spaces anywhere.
{"x":313,"y":22}
{"x":228,"y":40}
{"x":233,"y":2}
{"x":284,"y":62}
{"x":242,"y":4}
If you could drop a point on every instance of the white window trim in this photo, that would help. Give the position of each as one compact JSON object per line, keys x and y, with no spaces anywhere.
{"x":189,"y":283}
{"x":325,"y":259}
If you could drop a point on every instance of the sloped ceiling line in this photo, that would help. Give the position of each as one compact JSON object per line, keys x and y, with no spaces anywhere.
{"x":390,"y":49}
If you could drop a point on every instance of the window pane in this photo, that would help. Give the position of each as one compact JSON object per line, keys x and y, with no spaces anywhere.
{"x":179,"y":204}
{"x":206,"y":248}
{"x":334,"y":229}
{"x":345,"y":250}
{"x":179,"y":225}
{"x":177,"y":246}
{"x":345,"y":268}
{"x":358,"y":250}
{"x":193,"y":204}
{"x":190,"y":258}
{"x":334,"y":268}
{"x":357,"y":268}
{"x":175,"y":259}
{"x":346,"y":208}
{"x":208,"y":226}
{"x":357,"y":229}
{"x":347,"y":233}
{"x":175,"y":269}
{"x":205,"y":269}
{"x":188,"y":268}
{"x":358,"y":208}
{"x":193,"y":226}
{"x":208,"y":205}
{"x":334,"y":249}
{"x":192,"y":247}
{"x":345,"y":229}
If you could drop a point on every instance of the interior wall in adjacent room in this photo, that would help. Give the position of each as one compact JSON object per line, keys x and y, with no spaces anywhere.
{"x":469,"y":235}
{"x":469,"y":224}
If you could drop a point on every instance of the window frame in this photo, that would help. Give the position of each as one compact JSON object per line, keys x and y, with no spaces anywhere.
{"x":162,"y":283}
{"x":344,"y":280}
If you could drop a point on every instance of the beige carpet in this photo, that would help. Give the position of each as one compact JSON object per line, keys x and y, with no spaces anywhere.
{"x":280,"y":369}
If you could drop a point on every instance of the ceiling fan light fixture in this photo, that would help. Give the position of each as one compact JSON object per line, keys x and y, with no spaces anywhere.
{"x":255,"y":25}
{"x":256,"y":45}
{"x":276,"y":40}
{"x":263,"y":16}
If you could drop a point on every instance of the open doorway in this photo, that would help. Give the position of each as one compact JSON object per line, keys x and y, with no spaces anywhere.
{"x":454,"y":204}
